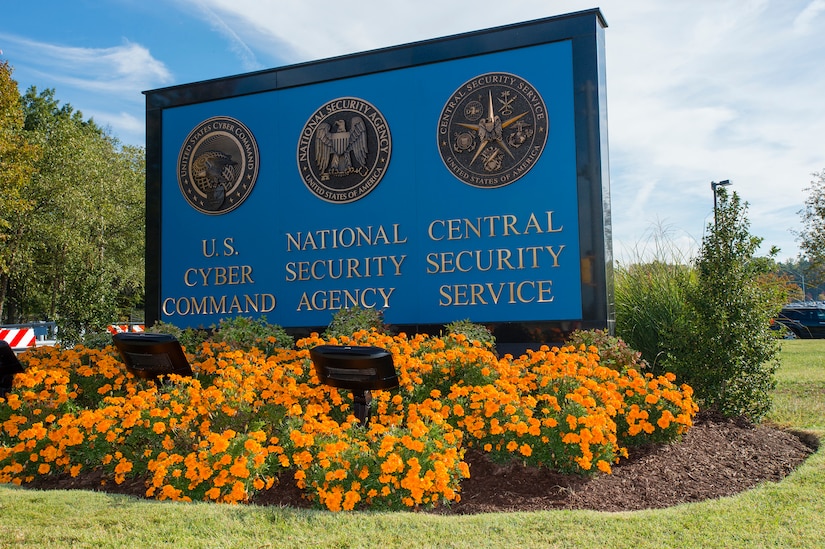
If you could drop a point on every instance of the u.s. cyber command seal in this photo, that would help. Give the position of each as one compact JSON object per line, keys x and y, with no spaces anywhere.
{"x":344,"y":150}
{"x":218,"y":165}
{"x":492,"y":130}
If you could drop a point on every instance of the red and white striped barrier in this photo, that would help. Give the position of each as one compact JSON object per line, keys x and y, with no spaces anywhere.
{"x":123,"y":328}
{"x":18,"y":338}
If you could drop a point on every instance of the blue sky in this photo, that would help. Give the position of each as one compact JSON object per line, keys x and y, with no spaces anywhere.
{"x":698,"y":90}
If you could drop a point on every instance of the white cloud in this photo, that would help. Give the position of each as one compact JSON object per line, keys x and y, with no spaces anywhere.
{"x":804,"y":22}
{"x":123,"y":124}
{"x":117,"y":69}
{"x":113,"y":76}
{"x":224,"y":27}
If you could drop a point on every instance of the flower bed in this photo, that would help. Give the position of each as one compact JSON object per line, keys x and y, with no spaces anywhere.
{"x":245,"y":416}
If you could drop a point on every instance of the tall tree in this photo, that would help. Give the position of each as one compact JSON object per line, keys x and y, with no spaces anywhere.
{"x":88,"y":219}
{"x":73,"y":241}
{"x":812,"y":236}
{"x":18,"y":159}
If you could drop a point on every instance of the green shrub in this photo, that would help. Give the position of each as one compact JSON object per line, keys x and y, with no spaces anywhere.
{"x":472,"y":331}
{"x":649,"y":297}
{"x":190,"y":338}
{"x":613,"y":351}
{"x":346,"y":322}
{"x":722,"y":344}
{"x":245,"y":333}
{"x":96,"y":340}
{"x":241,"y":333}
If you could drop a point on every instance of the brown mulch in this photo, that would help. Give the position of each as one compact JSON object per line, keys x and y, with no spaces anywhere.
{"x":715,"y":458}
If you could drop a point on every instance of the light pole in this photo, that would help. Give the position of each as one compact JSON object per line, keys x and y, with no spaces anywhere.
{"x":802,"y":276}
{"x":713,"y":185}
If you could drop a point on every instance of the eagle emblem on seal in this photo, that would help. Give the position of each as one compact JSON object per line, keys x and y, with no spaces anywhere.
{"x":344,"y":150}
{"x":335,"y":150}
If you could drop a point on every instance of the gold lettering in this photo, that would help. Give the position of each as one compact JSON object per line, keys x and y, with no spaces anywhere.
{"x":351,"y":267}
{"x":232,"y":275}
{"x":490,"y":226}
{"x":499,"y":259}
{"x":331,"y":300}
{"x":431,"y":227}
{"x":555,"y":254}
{"x":346,"y":237}
{"x":215,"y":305}
{"x":545,"y":290}
{"x":511,"y":293}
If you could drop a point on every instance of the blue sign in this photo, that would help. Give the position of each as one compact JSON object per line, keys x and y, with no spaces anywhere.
{"x":435,"y":192}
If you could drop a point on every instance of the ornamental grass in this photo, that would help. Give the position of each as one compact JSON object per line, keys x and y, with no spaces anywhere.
{"x":246,"y":417}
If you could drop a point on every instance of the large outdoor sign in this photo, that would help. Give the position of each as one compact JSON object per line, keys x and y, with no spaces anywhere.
{"x":459,"y":178}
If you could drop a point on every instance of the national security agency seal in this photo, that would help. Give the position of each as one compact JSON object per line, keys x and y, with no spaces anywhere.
{"x":492,"y":130}
{"x":218,"y":165}
{"x":344,"y":150}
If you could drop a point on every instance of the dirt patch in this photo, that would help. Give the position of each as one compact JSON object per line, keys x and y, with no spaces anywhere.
{"x":716,"y":458}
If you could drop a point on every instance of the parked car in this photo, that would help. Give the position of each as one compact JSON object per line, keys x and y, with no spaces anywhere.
{"x":804,"y":320}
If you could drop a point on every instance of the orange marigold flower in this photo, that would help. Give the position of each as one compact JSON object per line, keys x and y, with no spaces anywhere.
{"x":123,"y":466}
{"x":571,"y":438}
{"x":665,"y":420}
{"x":350,"y":499}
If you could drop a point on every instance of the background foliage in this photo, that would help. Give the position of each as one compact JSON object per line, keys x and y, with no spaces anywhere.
{"x":73,"y":237}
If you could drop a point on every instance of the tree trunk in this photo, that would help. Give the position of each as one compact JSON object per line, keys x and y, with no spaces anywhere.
{"x":4,"y":288}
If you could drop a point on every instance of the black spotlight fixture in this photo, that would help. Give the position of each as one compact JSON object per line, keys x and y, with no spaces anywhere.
{"x":359,"y":369}
{"x":9,"y":365}
{"x":149,"y":356}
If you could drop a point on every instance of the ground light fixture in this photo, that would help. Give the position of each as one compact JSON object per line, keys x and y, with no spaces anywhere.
{"x":713,"y":186}
{"x":9,"y":365}
{"x":359,"y":369}
{"x":149,"y":356}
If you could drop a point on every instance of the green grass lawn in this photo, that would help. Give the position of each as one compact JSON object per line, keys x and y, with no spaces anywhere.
{"x":785,"y":514}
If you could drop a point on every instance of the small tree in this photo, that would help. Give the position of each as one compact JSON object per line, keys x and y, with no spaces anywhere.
{"x":722,"y":345}
{"x":812,"y":236}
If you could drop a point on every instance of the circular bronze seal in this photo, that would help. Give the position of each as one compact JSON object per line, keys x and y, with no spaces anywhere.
{"x":344,"y":150}
{"x":492,"y":130}
{"x":218,"y":165}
